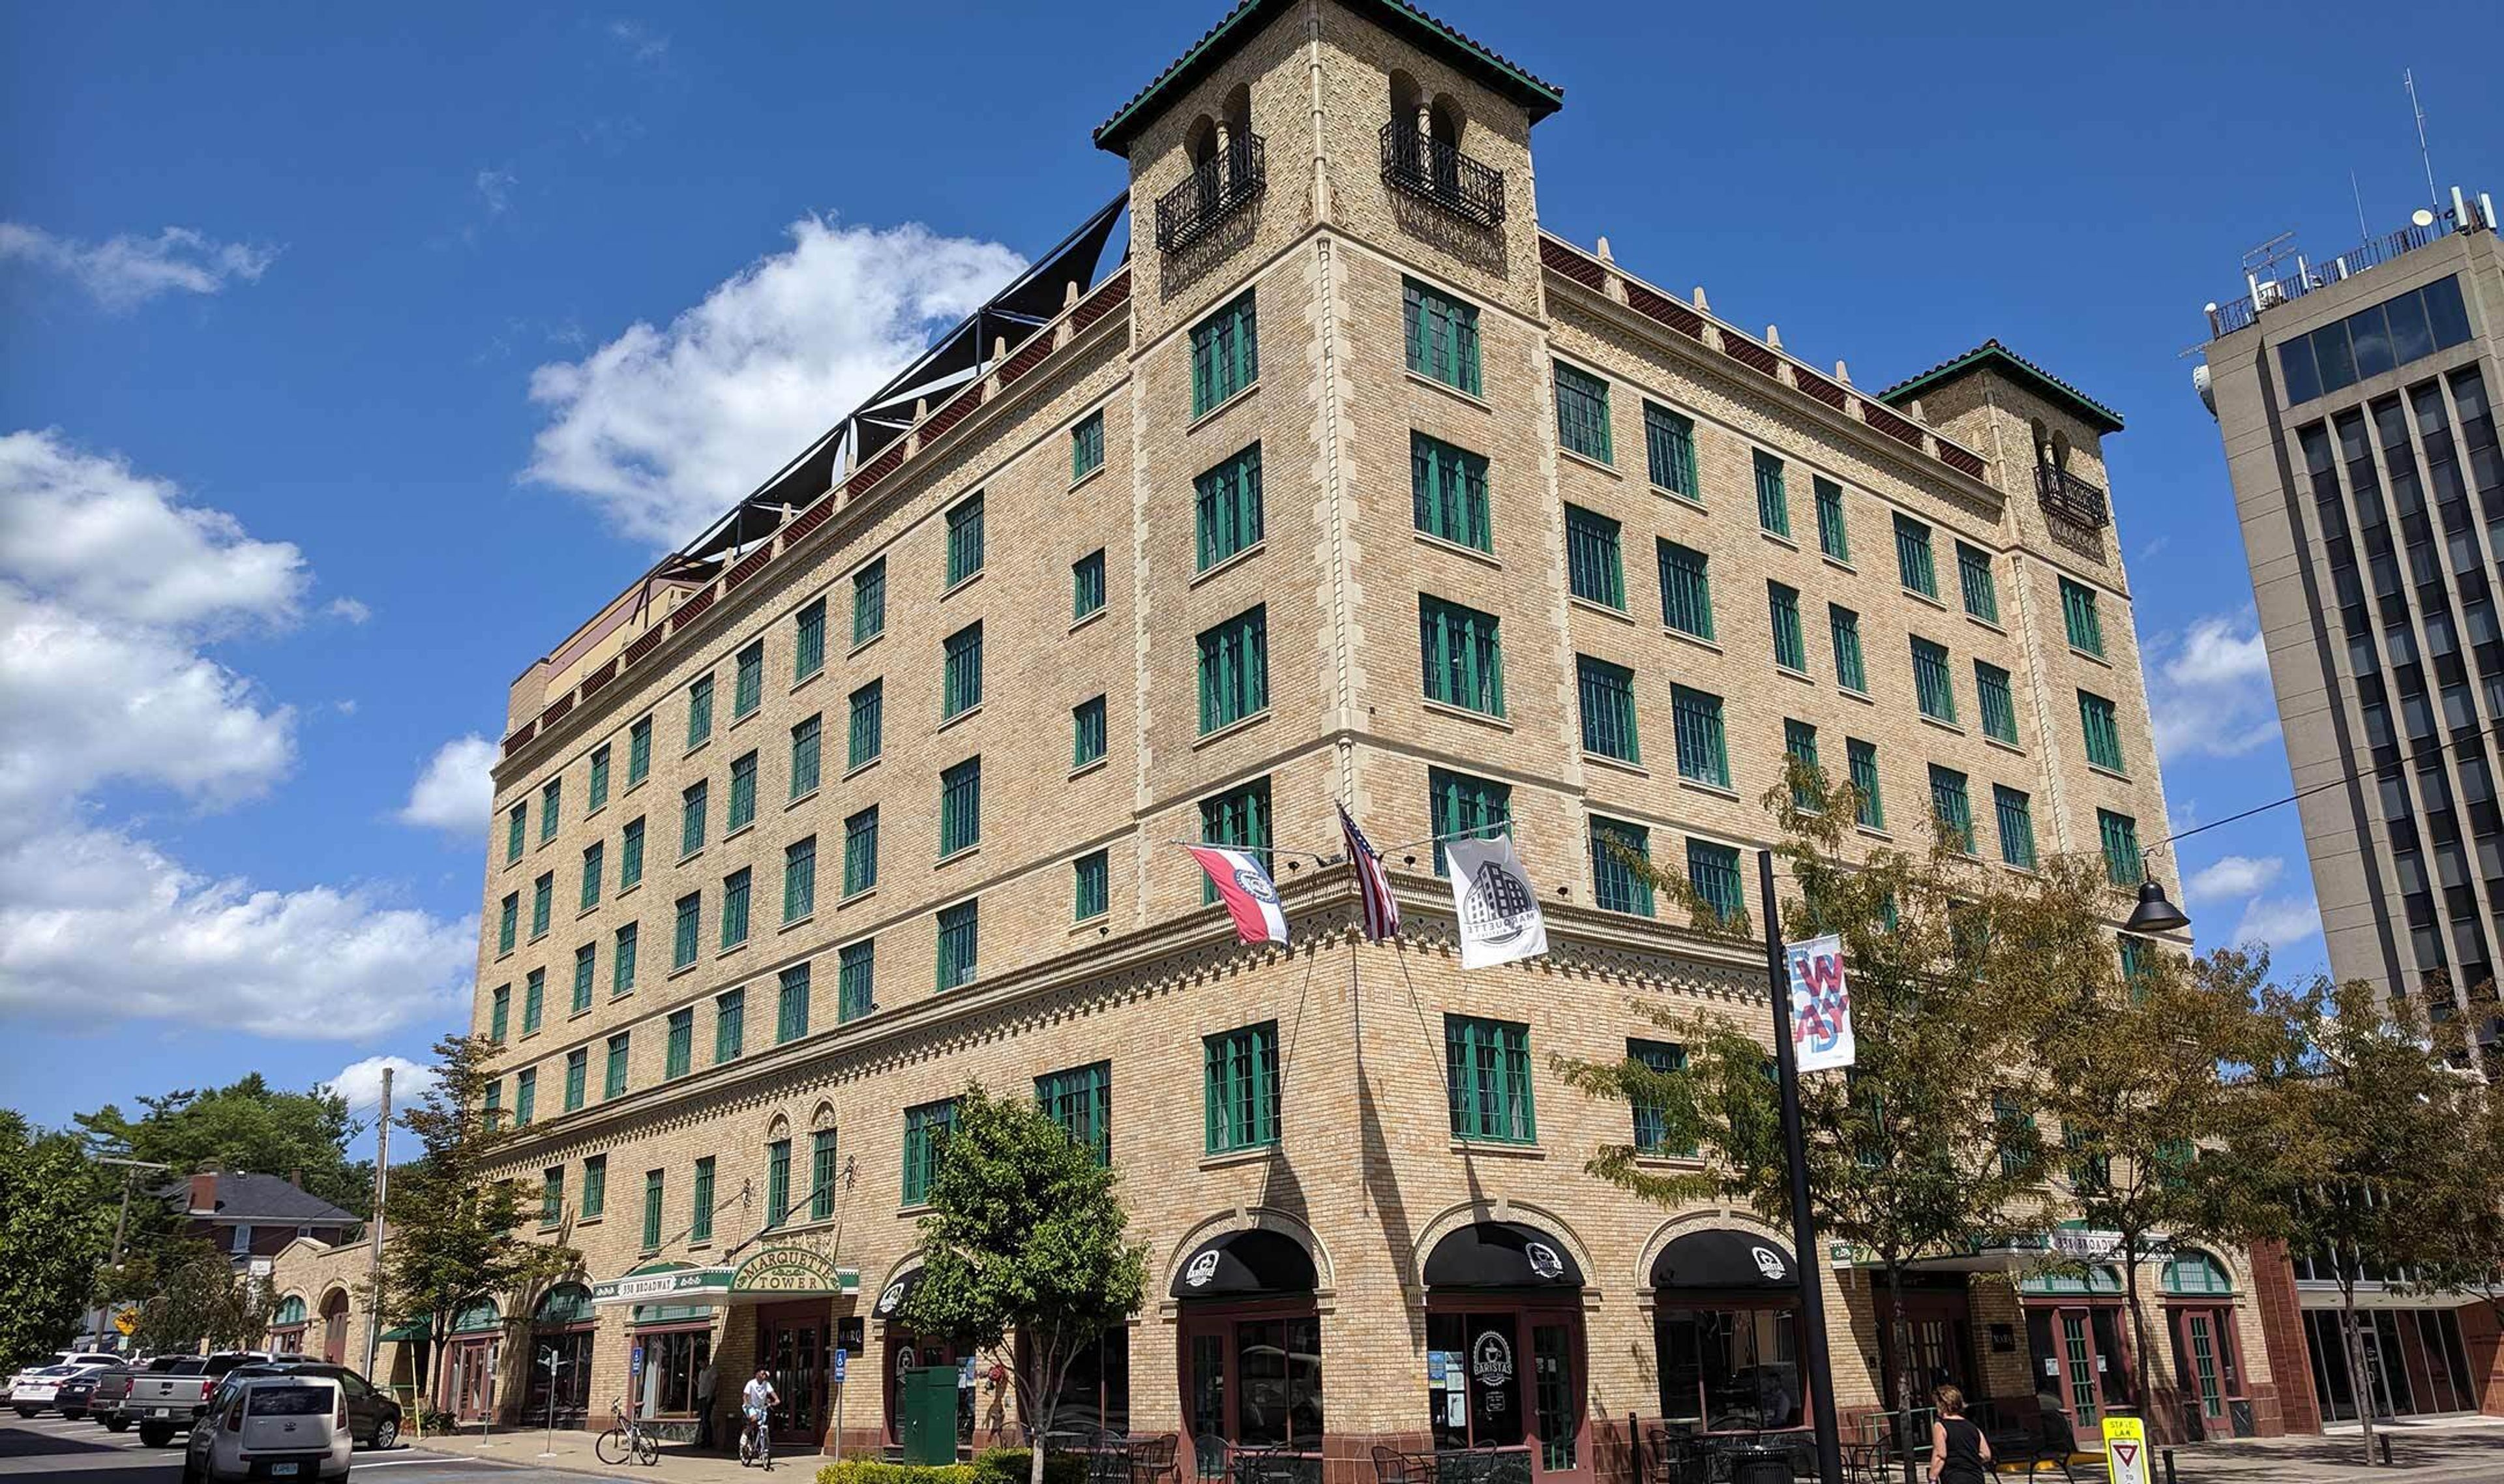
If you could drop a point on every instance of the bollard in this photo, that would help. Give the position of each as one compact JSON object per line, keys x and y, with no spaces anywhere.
{"x":2385,"y":1439}
{"x":2169,"y":1466}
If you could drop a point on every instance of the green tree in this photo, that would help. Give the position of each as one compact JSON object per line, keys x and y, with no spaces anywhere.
{"x":245,"y":1125}
{"x":454,"y":1232}
{"x":188,"y":1296}
{"x":1026,"y":1241}
{"x":1922,"y":1149}
{"x":52,"y":1233}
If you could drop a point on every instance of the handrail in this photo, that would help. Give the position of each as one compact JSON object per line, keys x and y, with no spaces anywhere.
{"x":1427,"y":167}
{"x":1211,"y":192}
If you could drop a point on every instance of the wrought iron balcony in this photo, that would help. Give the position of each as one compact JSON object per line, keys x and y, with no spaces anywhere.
{"x":2067,"y":497}
{"x":1210,"y":194}
{"x":1434,"y":171}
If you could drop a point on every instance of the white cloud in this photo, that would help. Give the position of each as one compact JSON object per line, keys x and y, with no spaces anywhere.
{"x":127,"y":271}
{"x":360,"y":1083}
{"x":641,"y":42}
{"x":2278,"y":923}
{"x":348,"y":609}
{"x":2209,"y":692}
{"x":662,"y":428}
{"x":2233,"y":876}
{"x":496,"y":189}
{"x":454,"y":792}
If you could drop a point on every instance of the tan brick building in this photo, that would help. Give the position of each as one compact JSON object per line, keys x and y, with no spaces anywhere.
{"x":1162,"y":563}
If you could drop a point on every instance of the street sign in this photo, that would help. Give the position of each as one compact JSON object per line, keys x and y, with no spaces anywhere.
{"x":126,"y":1321}
{"x":841,"y":1356}
{"x":2126,"y":1449}
{"x":635,"y":1362}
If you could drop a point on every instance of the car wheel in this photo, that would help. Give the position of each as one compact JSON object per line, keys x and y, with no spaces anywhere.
{"x":155,"y":1434}
{"x":385,"y":1434}
{"x":30,"y":1411}
{"x":116,"y":1424}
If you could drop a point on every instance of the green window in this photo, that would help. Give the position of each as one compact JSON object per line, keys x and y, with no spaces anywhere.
{"x":855,"y":980}
{"x":926,"y":1134}
{"x":821,"y":1175}
{"x":778,"y":1182}
{"x":1669,"y":450}
{"x":860,"y":852}
{"x":1843,"y":628}
{"x":1487,"y":1067}
{"x":514,"y":821}
{"x":630,"y":855}
{"x":542,"y":903}
{"x":1703,"y":753}
{"x":869,"y":602}
{"x":1086,"y":447}
{"x":591,"y":864}
{"x":1087,"y":585}
{"x":2103,"y":730}
{"x":866,"y":731}
{"x":1870,"y":811}
{"x":1239,"y":817}
{"x":534,"y":1001}
{"x":501,"y":1016}
{"x":1224,"y":355}
{"x":961,"y":688}
{"x":1460,"y":806}
{"x":1800,"y":742}
{"x":1686,"y":590}
{"x":1442,"y":334}
{"x":551,"y":1196}
{"x":1713,"y":870}
{"x":2079,"y":616}
{"x":734,"y":908}
{"x":594,"y":1186}
{"x":1081,"y":1101}
{"x":1608,"y":703}
{"x":599,"y":777}
{"x":1092,"y":886}
{"x":1448,"y":493}
{"x":1913,"y":564}
{"x":526,"y":1093}
{"x":1951,"y":809}
{"x":747,"y":683}
{"x":965,"y":539}
{"x":799,"y":878}
{"x":808,"y":641}
{"x":699,"y":710}
{"x":1240,"y":1083}
{"x":638,"y":751}
{"x":1235,"y":670}
{"x":961,"y":807}
{"x":1974,"y":583}
{"x":2137,"y":961}
{"x":683,"y":947}
{"x":1593,"y":566}
{"x":586,"y":969}
{"x":700,"y":1214}
{"x":1773,"y":500}
{"x":1617,"y":881}
{"x":743,"y":794}
{"x":1226,"y":507}
{"x":2120,"y":836}
{"x":1832,"y":536}
{"x":959,"y":940}
{"x":791,"y":1003}
{"x":1462,"y":650}
{"x":805,"y":745}
{"x":621,"y":959}
{"x":1087,"y":732}
{"x":1652,"y":1120}
{"x":729,"y":1025}
{"x":1998,"y":704}
{"x":2015,"y":814}
{"x":652,"y":1210}
{"x":1791,"y":647}
{"x":1583,"y":413}
{"x":577,"y":1070}
{"x":1934,"y":687}
{"x":691,"y":816}
{"x":682,"y":1049}
{"x":551,"y":793}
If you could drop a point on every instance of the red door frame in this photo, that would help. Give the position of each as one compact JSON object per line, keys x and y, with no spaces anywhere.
{"x":1208,"y":1317}
{"x":1528,"y":1314}
{"x":2220,"y":1312}
{"x":2056,"y":1308}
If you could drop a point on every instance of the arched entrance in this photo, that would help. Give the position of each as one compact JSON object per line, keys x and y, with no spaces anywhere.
{"x":470,"y":1360}
{"x":2200,"y":1315}
{"x":1725,"y":1328}
{"x":1251,"y":1346}
{"x":561,"y":1334}
{"x":287,"y":1325}
{"x":335,"y":1326}
{"x":1505,"y":1363}
{"x":2076,"y":1335}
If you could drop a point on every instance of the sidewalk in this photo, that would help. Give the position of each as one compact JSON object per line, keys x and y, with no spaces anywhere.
{"x":2454,"y":1451}
{"x":571,"y":1452}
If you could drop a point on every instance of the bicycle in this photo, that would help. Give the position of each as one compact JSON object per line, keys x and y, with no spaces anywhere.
{"x":627,"y":1439}
{"x":755,"y":1443}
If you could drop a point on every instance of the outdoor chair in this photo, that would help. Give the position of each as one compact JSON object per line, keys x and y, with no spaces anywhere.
{"x":2049,"y":1441}
{"x":1211,"y":1457}
{"x":1392,"y":1467}
{"x":1151,"y":1459}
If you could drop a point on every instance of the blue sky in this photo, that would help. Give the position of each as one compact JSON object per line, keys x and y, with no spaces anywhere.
{"x":354,"y":356}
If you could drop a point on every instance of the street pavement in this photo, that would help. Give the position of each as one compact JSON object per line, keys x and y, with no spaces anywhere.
{"x":54,"y":1446}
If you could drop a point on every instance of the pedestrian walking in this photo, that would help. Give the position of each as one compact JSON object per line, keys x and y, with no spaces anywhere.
{"x":1959,"y":1452}
{"x":705,"y":1380}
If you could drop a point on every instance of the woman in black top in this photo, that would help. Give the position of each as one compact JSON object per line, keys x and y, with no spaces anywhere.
{"x":1959,"y":1452}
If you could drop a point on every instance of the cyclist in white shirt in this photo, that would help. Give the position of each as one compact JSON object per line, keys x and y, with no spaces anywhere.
{"x":757,"y":1400}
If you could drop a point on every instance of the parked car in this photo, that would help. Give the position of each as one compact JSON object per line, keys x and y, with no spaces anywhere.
{"x":78,"y":1389}
{"x":373,"y":1417}
{"x":165,"y":1403}
{"x":111,"y":1387}
{"x":279,"y":1427}
{"x":63,"y":1358}
{"x":41,"y":1389}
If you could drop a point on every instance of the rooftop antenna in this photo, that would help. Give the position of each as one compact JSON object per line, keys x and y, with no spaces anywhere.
{"x":2409,"y":79}
{"x":2364,"y":234}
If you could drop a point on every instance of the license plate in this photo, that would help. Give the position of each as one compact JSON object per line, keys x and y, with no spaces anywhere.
{"x":161,"y":1412}
{"x":282,"y":1470}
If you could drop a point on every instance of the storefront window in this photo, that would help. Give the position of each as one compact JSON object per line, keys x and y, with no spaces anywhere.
{"x":671,"y":1361}
{"x":1729,"y":1371}
{"x":1096,"y":1392}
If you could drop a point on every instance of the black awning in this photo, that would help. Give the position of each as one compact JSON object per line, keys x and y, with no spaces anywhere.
{"x":1723,"y":1258}
{"x":1501,"y":1254}
{"x":1243,"y":1265}
{"x":890,"y":1298}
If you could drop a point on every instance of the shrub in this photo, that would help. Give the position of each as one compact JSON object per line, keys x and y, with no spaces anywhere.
{"x":875,"y":1472}
{"x":1012,"y":1465}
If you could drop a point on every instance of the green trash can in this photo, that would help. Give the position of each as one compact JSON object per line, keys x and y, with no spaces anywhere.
{"x":927,"y":1401}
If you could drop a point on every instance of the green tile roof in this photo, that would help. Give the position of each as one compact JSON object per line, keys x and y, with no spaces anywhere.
{"x":1397,"y":17}
{"x":1995,"y":356}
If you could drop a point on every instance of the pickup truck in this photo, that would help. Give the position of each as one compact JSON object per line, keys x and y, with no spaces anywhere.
{"x":166,"y":1403}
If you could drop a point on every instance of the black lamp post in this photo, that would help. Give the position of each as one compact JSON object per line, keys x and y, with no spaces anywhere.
{"x":2154,"y":914}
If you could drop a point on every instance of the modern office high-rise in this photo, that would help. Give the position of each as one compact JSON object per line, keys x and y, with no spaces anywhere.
{"x":2356,"y":401}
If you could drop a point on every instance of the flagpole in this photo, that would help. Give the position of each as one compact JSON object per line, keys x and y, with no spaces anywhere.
{"x":1806,"y":1264}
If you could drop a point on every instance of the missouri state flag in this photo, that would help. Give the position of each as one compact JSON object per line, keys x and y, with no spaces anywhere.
{"x":1245,"y":889}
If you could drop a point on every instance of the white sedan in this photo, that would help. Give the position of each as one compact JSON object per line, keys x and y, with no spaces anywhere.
{"x":35,"y":1390}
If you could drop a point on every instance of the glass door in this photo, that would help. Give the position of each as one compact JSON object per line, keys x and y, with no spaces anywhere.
{"x":1559,"y":1451}
{"x":795,"y":1350}
{"x":2206,"y":1380}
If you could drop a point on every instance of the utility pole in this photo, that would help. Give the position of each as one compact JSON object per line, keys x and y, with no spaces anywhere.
{"x":1807,"y":1262}
{"x":374,"y":1259}
{"x":121,"y":1224}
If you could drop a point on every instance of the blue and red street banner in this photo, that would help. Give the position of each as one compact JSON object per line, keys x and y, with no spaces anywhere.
{"x":1820,"y":1004}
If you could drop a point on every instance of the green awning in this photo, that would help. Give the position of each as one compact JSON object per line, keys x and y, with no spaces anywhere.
{"x":481,"y":1315}
{"x":414,"y":1329}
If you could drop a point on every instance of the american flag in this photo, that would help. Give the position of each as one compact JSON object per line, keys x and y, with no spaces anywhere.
{"x":1372,"y":882}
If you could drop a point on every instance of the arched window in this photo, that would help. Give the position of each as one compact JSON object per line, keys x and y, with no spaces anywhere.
{"x":290,"y":1311}
{"x":2196,"y":1274}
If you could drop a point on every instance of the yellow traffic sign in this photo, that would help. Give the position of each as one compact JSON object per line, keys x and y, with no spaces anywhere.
{"x":2126,"y":1449}
{"x":126,"y":1321}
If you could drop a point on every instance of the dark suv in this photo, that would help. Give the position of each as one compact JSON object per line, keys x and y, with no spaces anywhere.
{"x":374,"y":1418}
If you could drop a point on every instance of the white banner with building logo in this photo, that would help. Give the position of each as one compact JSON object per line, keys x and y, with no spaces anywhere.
{"x":1498,"y":910}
